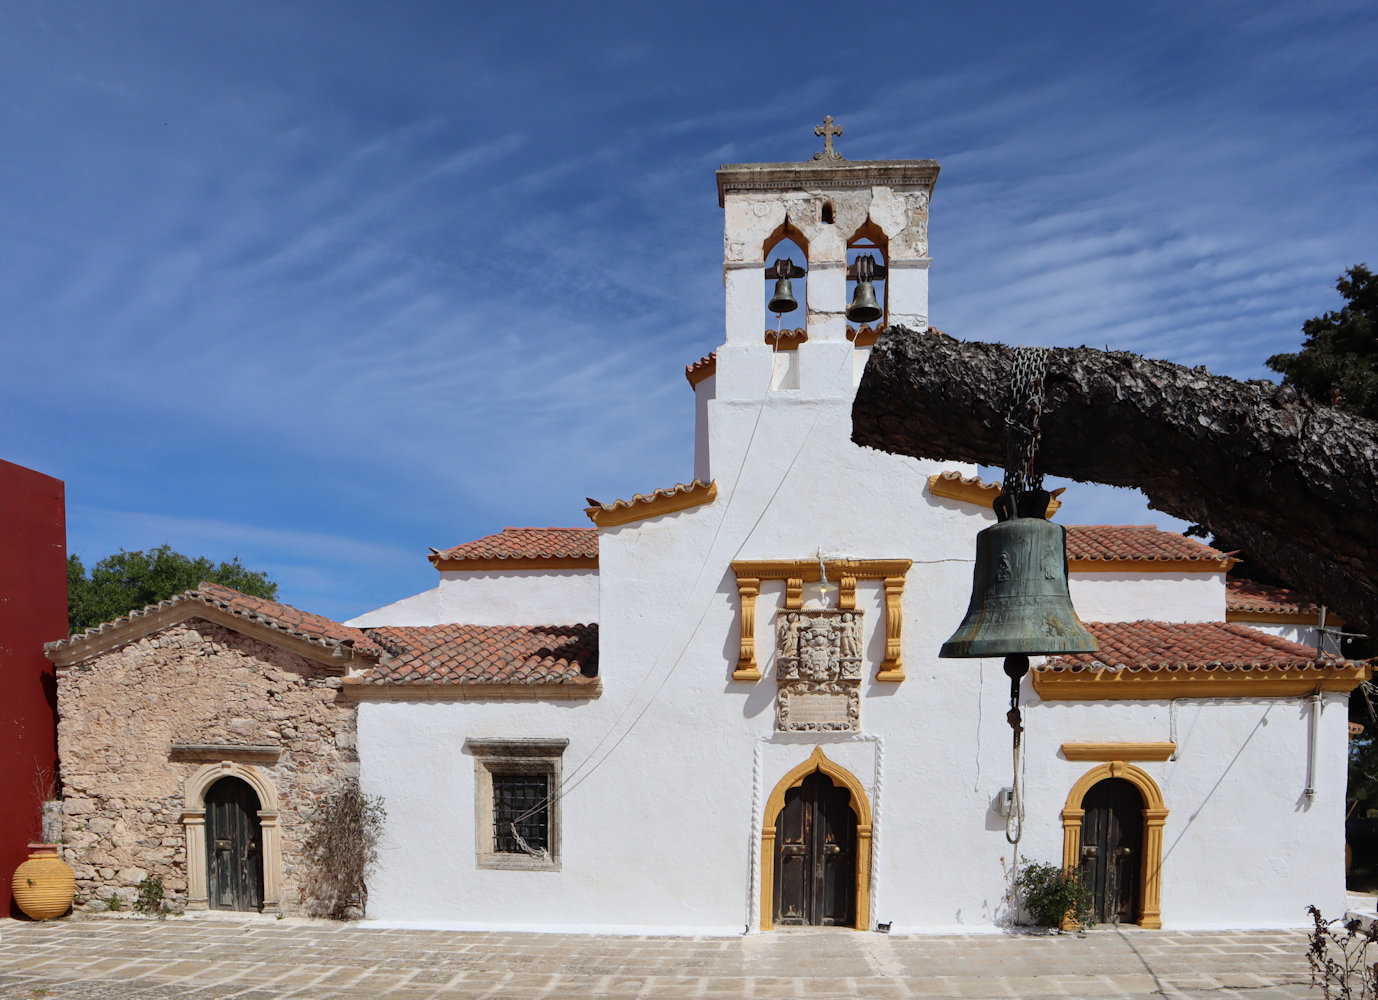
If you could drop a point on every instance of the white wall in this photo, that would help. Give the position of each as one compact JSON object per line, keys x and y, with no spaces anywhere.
{"x":496,"y":597}
{"x":671,"y":767}
{"x":1242,"y":846}
{"x":667,"y":773}
{"x":1160,"y":597}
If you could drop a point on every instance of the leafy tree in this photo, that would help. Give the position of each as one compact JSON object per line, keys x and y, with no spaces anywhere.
{"x":127,"y":580}
{"x":1338,"y":362}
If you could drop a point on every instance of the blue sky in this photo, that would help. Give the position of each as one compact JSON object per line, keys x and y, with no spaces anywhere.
{"x":322,"y":285}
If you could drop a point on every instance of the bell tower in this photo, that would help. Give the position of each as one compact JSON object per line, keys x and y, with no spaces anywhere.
{"x":839,"y":212}
{"x":862,"y":230}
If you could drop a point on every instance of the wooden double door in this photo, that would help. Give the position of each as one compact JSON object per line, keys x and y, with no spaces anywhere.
{"x":816,"y":855}
{"x":234,"y":847}
{"x":1112,"y":840}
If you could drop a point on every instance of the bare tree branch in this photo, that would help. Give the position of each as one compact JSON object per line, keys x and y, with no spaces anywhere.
{"x":1294,"y":482}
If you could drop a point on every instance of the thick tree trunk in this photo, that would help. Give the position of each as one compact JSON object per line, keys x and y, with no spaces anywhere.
{"x":1295,"y":483}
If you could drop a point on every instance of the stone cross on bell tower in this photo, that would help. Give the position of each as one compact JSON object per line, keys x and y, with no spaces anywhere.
{"x":828,"y":131}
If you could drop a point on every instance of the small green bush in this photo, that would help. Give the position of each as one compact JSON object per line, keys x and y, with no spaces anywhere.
{"x":1048,"y":893}
{"x":150,"y":899}
{"x":114,"y":904}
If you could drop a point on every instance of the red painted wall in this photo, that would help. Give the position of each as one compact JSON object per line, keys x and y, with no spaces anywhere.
{"x":33,"y":610}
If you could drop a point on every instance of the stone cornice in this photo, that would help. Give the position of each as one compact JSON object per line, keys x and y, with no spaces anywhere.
{"x":356,"y":690}
{"x":1150,"y":565}
{"x":516,"y":563}
{"x":1118,"y":751}
{"x":1167,"y":683}
{"x":955,"y":486}
{"x":822,"y":175}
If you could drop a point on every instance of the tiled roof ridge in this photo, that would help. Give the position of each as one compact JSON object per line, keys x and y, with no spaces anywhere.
{"x":699,"y":370}
{"x":230,"y":600}
{"x":517,"y":544}
{"x":655,"y":494}
{"x":1187,"y":549}
{"x":1251,"y":596}
{"x":669,"y":500}
{"x":1293,"y":655}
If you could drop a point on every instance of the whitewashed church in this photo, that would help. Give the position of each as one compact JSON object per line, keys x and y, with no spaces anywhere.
{"x":719,"y":707}
{"x":759,"y":731}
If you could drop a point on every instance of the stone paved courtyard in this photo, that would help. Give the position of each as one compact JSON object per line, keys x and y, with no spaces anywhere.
{"x":255,"y":958}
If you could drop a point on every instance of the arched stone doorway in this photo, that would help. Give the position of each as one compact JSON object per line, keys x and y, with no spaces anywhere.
{"x":234,"y":847}
{"x":197,"y":797}
{"x":816,"y":848}
{"x":1111,"y":808}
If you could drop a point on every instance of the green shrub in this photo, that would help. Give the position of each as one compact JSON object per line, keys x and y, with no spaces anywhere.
{"x":1047,"y":893}
{"x":150,"y":899}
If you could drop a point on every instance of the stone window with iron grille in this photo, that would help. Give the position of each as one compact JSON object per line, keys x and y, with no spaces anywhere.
{"x":517,"y":802}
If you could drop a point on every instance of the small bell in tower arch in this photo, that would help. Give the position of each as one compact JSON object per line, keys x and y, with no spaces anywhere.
{"x":864,"y":307}
{"x":782,"y":271}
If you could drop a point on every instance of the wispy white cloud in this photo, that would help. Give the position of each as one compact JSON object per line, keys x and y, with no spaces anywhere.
{"x":357,"y":288}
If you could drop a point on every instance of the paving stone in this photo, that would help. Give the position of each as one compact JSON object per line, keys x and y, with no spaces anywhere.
{"x":254,"y":959}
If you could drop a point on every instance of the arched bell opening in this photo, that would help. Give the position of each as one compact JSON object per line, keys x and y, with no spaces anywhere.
{"x":867,"y":255}
{"x":786,"y":286}
{"x":816,"y":848}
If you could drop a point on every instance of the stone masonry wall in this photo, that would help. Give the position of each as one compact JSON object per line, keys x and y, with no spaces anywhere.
{"x":196,"y":682}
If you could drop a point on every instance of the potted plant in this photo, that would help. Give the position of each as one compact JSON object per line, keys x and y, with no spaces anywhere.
{"x":45,"y":885}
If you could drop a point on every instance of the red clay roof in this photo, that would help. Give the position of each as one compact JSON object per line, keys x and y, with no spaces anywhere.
{"x":1149,"y":645}
{"x":487,"y":654}
{"x":527,"y":543}
{"x":282,"y":617}
{"x":1259,"y":598}
{"x":1107,"y":542}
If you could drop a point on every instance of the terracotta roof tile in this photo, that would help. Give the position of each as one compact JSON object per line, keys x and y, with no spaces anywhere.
{"x":1109,"y":542}
{"x":526,"y":543}
{"x":1258,"y":598}
{"x":282,"y":617}
{"x":702,"y":368}
{"x":1147,"y":645}
{"x":681,"y":496}
{"x":487,"y":654}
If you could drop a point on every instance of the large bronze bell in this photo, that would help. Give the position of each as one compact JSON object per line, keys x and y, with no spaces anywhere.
{"x":783,"y":300}
{"x":1019,"y":597}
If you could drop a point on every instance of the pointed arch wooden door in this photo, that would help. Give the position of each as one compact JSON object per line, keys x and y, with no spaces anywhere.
{"x":234,"y":847}
{"x":816,"y":855}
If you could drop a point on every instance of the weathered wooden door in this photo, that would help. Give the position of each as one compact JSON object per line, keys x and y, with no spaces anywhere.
{"x":1112,"y":833}
{"x":815,"y":855}
{"x":234,"y":847}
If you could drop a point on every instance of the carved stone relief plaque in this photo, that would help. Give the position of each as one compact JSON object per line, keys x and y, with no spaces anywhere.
{"x":818,"y":669}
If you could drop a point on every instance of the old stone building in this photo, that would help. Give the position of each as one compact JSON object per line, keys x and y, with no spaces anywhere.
{"x":210,"y":697}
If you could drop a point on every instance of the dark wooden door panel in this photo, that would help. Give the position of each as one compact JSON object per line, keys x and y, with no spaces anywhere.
{"x":815,"y":855}
{"x":234,"y":847}
{"x":1112,"y":848}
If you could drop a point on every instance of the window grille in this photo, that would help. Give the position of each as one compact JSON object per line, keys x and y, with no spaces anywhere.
{"x":520,"y":813}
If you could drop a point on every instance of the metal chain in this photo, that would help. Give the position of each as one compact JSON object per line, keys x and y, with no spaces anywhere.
{"x":1021,"y":420}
